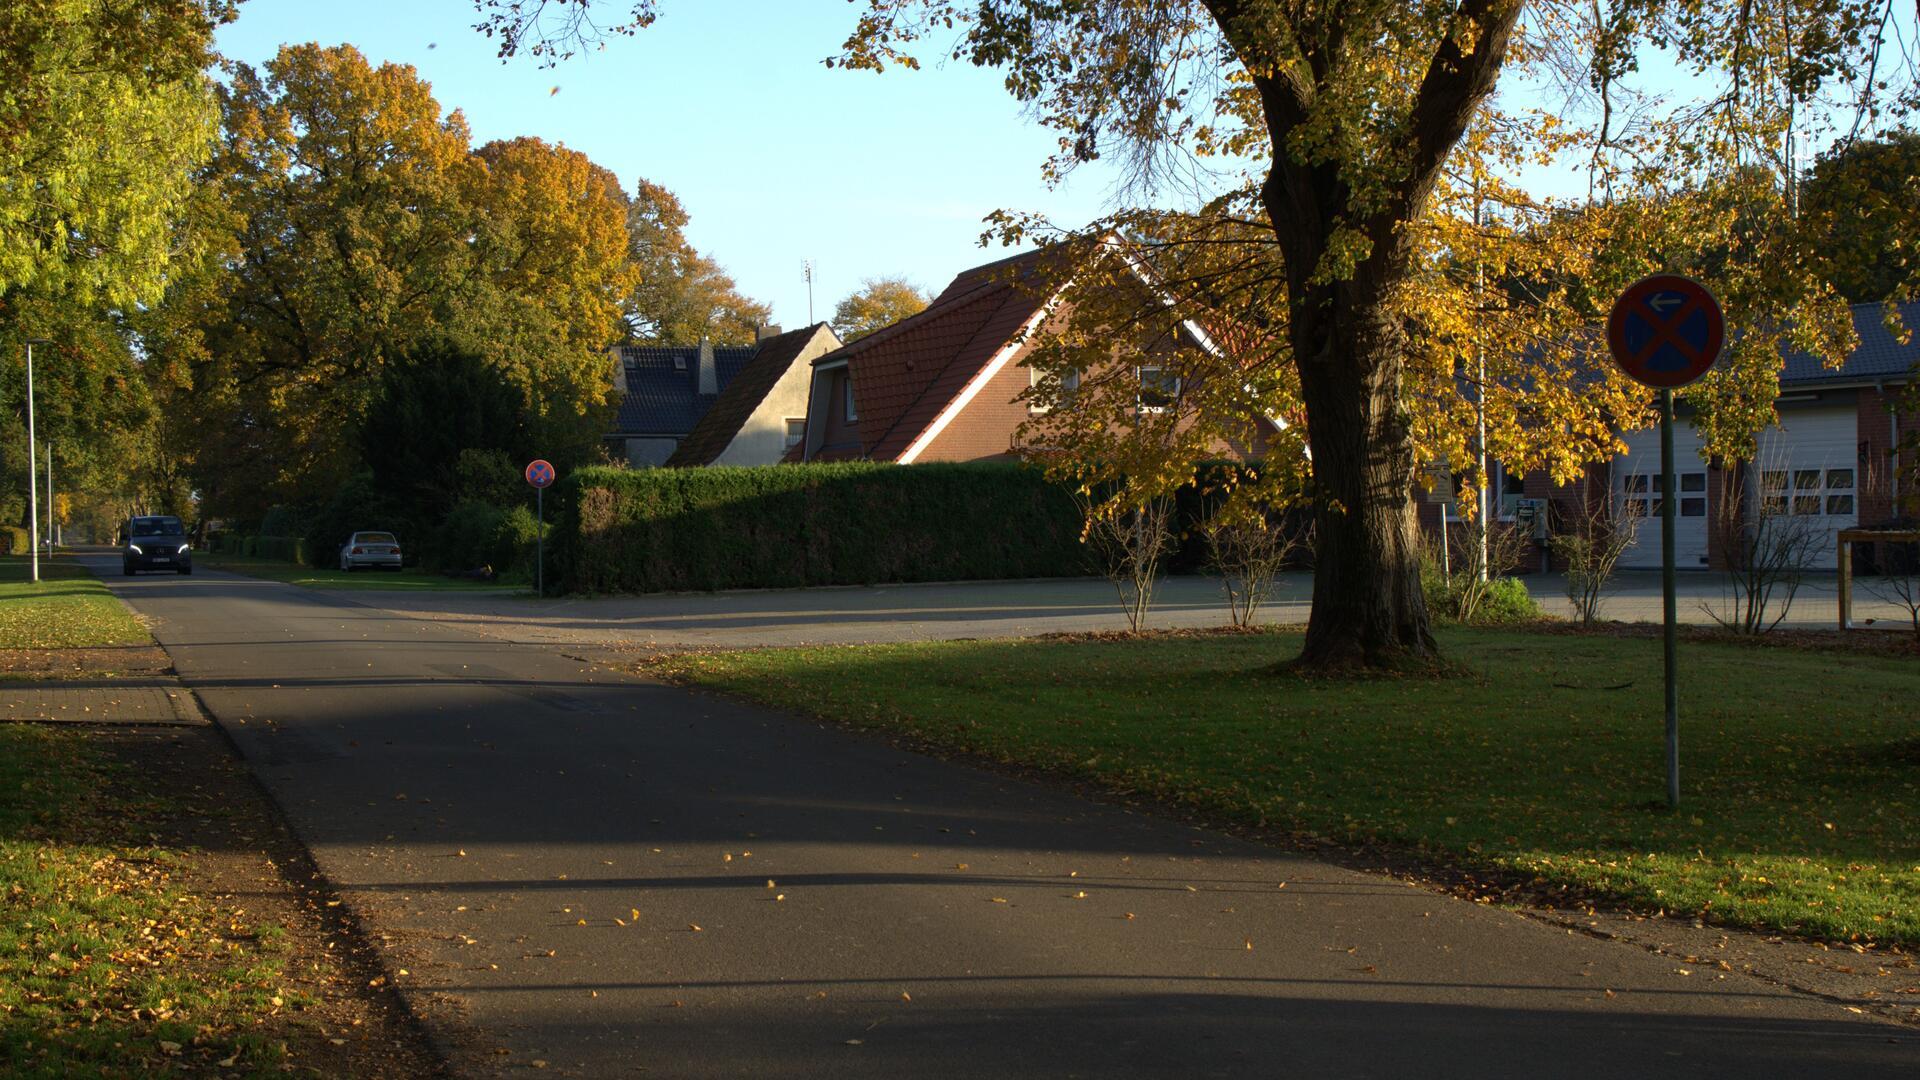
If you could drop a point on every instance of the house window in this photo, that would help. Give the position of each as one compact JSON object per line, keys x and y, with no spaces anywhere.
{"x":1159,"y":388}
{"x":1508,"y":489}
{"x":796,"y":431}
{"x":851,"y":414}
{"x":1069,"y":383}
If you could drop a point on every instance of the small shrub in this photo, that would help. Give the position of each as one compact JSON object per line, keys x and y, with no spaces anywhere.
{"x":13,"y":540}
{"x":465,"y":540}
{"x":1461,"y":597}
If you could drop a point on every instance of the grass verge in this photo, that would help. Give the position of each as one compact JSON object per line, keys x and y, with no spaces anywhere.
{"x":1801,"y":771}
{"x":408,"y":580}
{"x":106,"y":966}
{"x":68,"y":608}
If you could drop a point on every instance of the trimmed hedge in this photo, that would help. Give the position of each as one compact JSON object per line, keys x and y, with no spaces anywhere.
{"x":288,"y":549}
{"x":782,"y":526}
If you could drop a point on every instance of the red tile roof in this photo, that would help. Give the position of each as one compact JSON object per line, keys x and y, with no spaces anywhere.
{"x":906,"y":373}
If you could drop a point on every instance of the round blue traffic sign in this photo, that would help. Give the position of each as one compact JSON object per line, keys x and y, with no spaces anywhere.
{"x":540,"y":473}
{"x":1666,"y":331}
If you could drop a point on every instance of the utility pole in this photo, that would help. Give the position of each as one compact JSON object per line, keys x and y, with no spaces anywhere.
{"x":806,"y":269}
{"x":33,"y":490}
{"x":52,"y":513}
{"x":1485,"y":523}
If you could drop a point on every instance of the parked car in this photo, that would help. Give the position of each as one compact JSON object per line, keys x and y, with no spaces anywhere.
{"x":155,"y":543}
{"x":375,"y":549}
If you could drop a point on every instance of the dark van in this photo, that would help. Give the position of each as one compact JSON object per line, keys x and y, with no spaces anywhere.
{"x":155,"y":543}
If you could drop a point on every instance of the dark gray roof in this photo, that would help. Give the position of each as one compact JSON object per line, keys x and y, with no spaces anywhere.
{"x":663,"y":401}
{"x":1878,"y":357}
{"x":715,"y":431}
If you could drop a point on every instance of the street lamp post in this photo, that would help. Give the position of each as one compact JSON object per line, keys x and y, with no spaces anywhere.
{"x":33,"y":490}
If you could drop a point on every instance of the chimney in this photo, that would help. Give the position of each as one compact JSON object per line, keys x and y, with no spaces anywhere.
{"x":709,"y":376}
{"x":762,"y":333}
{"x":619,"y":371}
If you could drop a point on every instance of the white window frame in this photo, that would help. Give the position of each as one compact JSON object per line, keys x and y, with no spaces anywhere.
{"x":1069,"y":383}
{"x":852,"y":415}
{"x":1140,"y":386}
{"x":793,"y":439}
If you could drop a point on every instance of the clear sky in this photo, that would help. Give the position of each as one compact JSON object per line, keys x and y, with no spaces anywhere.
{"x":726,"y":104}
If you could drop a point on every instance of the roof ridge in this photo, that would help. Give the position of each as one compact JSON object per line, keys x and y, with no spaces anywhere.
{"x":894,"y":329}
{"x":927,"y":390}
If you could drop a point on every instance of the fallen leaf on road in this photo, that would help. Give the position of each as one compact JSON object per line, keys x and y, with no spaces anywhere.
{"x":999,"y":899}
{"x":856,"y":1042}
{"x":908,"y":998}
{"x":1249,"y":944}
{"x":694,"y":926}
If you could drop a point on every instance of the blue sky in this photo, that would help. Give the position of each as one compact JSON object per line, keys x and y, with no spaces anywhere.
{"x":726,"y":103}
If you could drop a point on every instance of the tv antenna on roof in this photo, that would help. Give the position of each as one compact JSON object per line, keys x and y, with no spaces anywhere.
{"x":806,"y":271}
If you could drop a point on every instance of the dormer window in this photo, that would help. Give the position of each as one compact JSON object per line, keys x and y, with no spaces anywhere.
{"x":679,"y":361}
{"x":851,"y":414}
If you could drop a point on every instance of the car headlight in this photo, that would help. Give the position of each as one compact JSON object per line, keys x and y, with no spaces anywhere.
{"x":135,"y":548}
{"x":183,"y":549}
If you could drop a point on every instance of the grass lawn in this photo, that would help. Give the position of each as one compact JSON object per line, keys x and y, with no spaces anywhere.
{"x":67,"y":608}
{"x":1800,"y":770}
{"x":106,"y":966}
{"x":408,"y":580}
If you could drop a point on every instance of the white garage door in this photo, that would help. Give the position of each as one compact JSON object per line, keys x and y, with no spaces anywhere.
{"x":1809,"y":469}
{"x":1636,"y":490}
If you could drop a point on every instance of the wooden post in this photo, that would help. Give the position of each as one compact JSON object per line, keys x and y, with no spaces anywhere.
{"x":1845,"y":547}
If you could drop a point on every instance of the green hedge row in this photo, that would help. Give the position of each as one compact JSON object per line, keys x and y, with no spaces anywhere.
{"x":289,"y":549}
{"x":649,"y":530}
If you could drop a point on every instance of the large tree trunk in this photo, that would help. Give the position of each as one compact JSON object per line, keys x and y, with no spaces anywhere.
{"x":1368,"y":610}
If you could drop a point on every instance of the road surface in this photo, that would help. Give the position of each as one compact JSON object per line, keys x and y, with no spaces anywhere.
{"x":613,"y":878}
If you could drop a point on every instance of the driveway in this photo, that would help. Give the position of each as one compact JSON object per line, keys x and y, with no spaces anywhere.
{"x":981,"y":609}
{"x":589,"y":874}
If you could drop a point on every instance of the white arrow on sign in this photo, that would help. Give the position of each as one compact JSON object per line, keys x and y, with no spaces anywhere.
{"x":1663,"y":301}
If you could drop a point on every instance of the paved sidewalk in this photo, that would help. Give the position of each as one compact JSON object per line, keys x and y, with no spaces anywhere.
{"x":99,"y":701}
{"x":980,"y":609}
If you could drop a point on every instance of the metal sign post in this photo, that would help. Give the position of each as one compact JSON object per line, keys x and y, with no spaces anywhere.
{"x":1666,"y":331}
{"x":1667,"y":602}
{"x":540,"y":474}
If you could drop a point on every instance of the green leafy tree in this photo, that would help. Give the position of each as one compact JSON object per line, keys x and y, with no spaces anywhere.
{"x":1861,"y":205}
{"x":552,"y":244}
{"x":434,"y":406}
{"x":105,"y":116}
{"x":880,"y":301}
{"x":680,"y":295}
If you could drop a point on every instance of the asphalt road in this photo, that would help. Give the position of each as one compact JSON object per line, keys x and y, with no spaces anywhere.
{"x":811,"y":904}
{"x":985,"y":609}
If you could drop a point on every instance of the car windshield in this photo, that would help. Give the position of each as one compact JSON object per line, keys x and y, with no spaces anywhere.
{"x":167,"y":526}
{"x":374,"y":538}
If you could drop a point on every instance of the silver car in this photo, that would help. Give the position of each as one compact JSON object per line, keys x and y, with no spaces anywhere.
{"x":374,"y":549}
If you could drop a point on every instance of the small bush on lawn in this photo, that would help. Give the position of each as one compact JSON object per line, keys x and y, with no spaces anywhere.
{"x":1462,"y":598}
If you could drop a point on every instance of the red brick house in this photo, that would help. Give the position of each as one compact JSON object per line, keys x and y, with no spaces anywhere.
{"x":944,"y":385}
{"x":1833,"y":458}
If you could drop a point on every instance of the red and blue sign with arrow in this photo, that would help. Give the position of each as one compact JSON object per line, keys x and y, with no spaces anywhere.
{"x":1666,"y":331}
